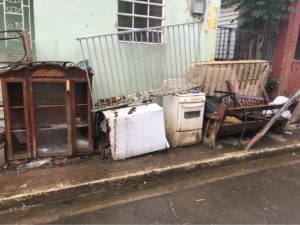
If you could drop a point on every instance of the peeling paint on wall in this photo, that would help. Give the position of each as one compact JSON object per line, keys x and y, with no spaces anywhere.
{"x":212,"y":17}
{"x":209,"y":30}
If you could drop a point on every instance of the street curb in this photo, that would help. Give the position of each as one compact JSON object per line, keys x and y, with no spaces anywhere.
{"x":65,"y":191}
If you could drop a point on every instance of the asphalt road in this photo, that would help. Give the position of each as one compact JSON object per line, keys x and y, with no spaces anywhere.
{"x":267,"y":196}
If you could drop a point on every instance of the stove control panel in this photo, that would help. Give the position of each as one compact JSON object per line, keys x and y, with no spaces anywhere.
{"x":191,"y":98}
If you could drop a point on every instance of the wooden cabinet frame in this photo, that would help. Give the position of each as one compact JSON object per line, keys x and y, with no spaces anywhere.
{"x":90,"y":118}
{"x":8,"y":127}
{"x":44,"y":74}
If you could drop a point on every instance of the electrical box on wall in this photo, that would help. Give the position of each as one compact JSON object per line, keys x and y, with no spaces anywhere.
{"x":197,"y":7}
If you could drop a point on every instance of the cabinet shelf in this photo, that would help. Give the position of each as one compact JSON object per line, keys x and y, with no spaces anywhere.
{"x":82,"y":125}
{"x":49,"y":106}
{"x":53,"y":128}
{"x":81,"y":104}
{"x":18,"y":131}
{"x":17,"y":107}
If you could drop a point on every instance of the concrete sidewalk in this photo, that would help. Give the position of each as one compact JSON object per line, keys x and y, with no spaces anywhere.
{"x":54,"y":183}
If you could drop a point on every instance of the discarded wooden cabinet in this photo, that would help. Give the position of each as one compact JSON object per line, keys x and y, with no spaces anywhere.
{"x":47,"y":110}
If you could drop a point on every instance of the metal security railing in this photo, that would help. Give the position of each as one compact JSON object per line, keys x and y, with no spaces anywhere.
{"x":133,"y":67}
{"x":244,"y":44}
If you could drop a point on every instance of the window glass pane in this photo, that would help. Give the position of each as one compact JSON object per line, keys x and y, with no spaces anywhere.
{"x":125,"y":7}
{"x":15,"y":96}
{"x":51,"y":119}
{"x":297,"y":55}
{"x":19,"y":142}
{"x":49,"y":93}
{"x":125,"y":21}
{"x":156,"y":1}
{"x":140,"y":22}
{"x":141,"y":9}
{"x":154,"y":23}
{"x":155,"y":11}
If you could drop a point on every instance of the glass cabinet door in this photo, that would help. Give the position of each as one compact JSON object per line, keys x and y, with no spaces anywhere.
{"x":51,"y":118}
{"x":82,"y":117}
{"x":16,"y":119}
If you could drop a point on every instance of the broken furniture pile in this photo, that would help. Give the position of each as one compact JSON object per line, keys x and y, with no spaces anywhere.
{"x":237,"y":100}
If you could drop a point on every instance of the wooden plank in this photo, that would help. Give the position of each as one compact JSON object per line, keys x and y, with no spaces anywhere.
{"x":233,"y":62}
{"x":249,"y":81}
{"x":9,"y":148}
{"x":245,"y":75}
{"x":215,"y":75}
{"x":244,"y":79}
{"x":219,"y":78}
{"x":27,"y":46}
{"x":209,"y":77}
{"x":265,"y":129}
{"x":32,"y":119}
{"x":27,"y":118}
{"x":256,"y":87}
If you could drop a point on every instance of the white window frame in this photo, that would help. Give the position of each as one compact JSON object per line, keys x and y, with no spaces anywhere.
{"x":148,"y":17}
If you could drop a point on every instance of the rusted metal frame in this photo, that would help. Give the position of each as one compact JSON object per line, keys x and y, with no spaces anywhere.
{"x":228,"y":129}
{"x":253,"y":108}
{"x":247,"y":100}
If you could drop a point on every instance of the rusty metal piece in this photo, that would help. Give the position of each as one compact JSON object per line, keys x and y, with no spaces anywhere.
{"x":266,"y":128}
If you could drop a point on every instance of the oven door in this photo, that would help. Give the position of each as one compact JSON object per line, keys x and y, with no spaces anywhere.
{"x":190,"y":116}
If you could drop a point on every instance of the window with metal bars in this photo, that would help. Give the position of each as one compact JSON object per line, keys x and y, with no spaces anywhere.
{"x":15,"y":15}
{"x":137,"y":14}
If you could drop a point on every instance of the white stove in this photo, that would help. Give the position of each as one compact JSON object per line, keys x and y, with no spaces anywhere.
{"x":183,"y":114}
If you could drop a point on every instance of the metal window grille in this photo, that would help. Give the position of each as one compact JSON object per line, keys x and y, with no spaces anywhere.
{"x":244,"y":44}
{"x":136,"y":14}
{"x":133,"y":72}
{"x":15,"y":15}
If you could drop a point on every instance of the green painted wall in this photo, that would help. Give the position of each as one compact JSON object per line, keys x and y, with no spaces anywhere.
{"x":58,"y":22}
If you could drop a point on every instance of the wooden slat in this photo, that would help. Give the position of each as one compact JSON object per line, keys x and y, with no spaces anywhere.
{"x":256,"y":86}
{"x":248,"y":76}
